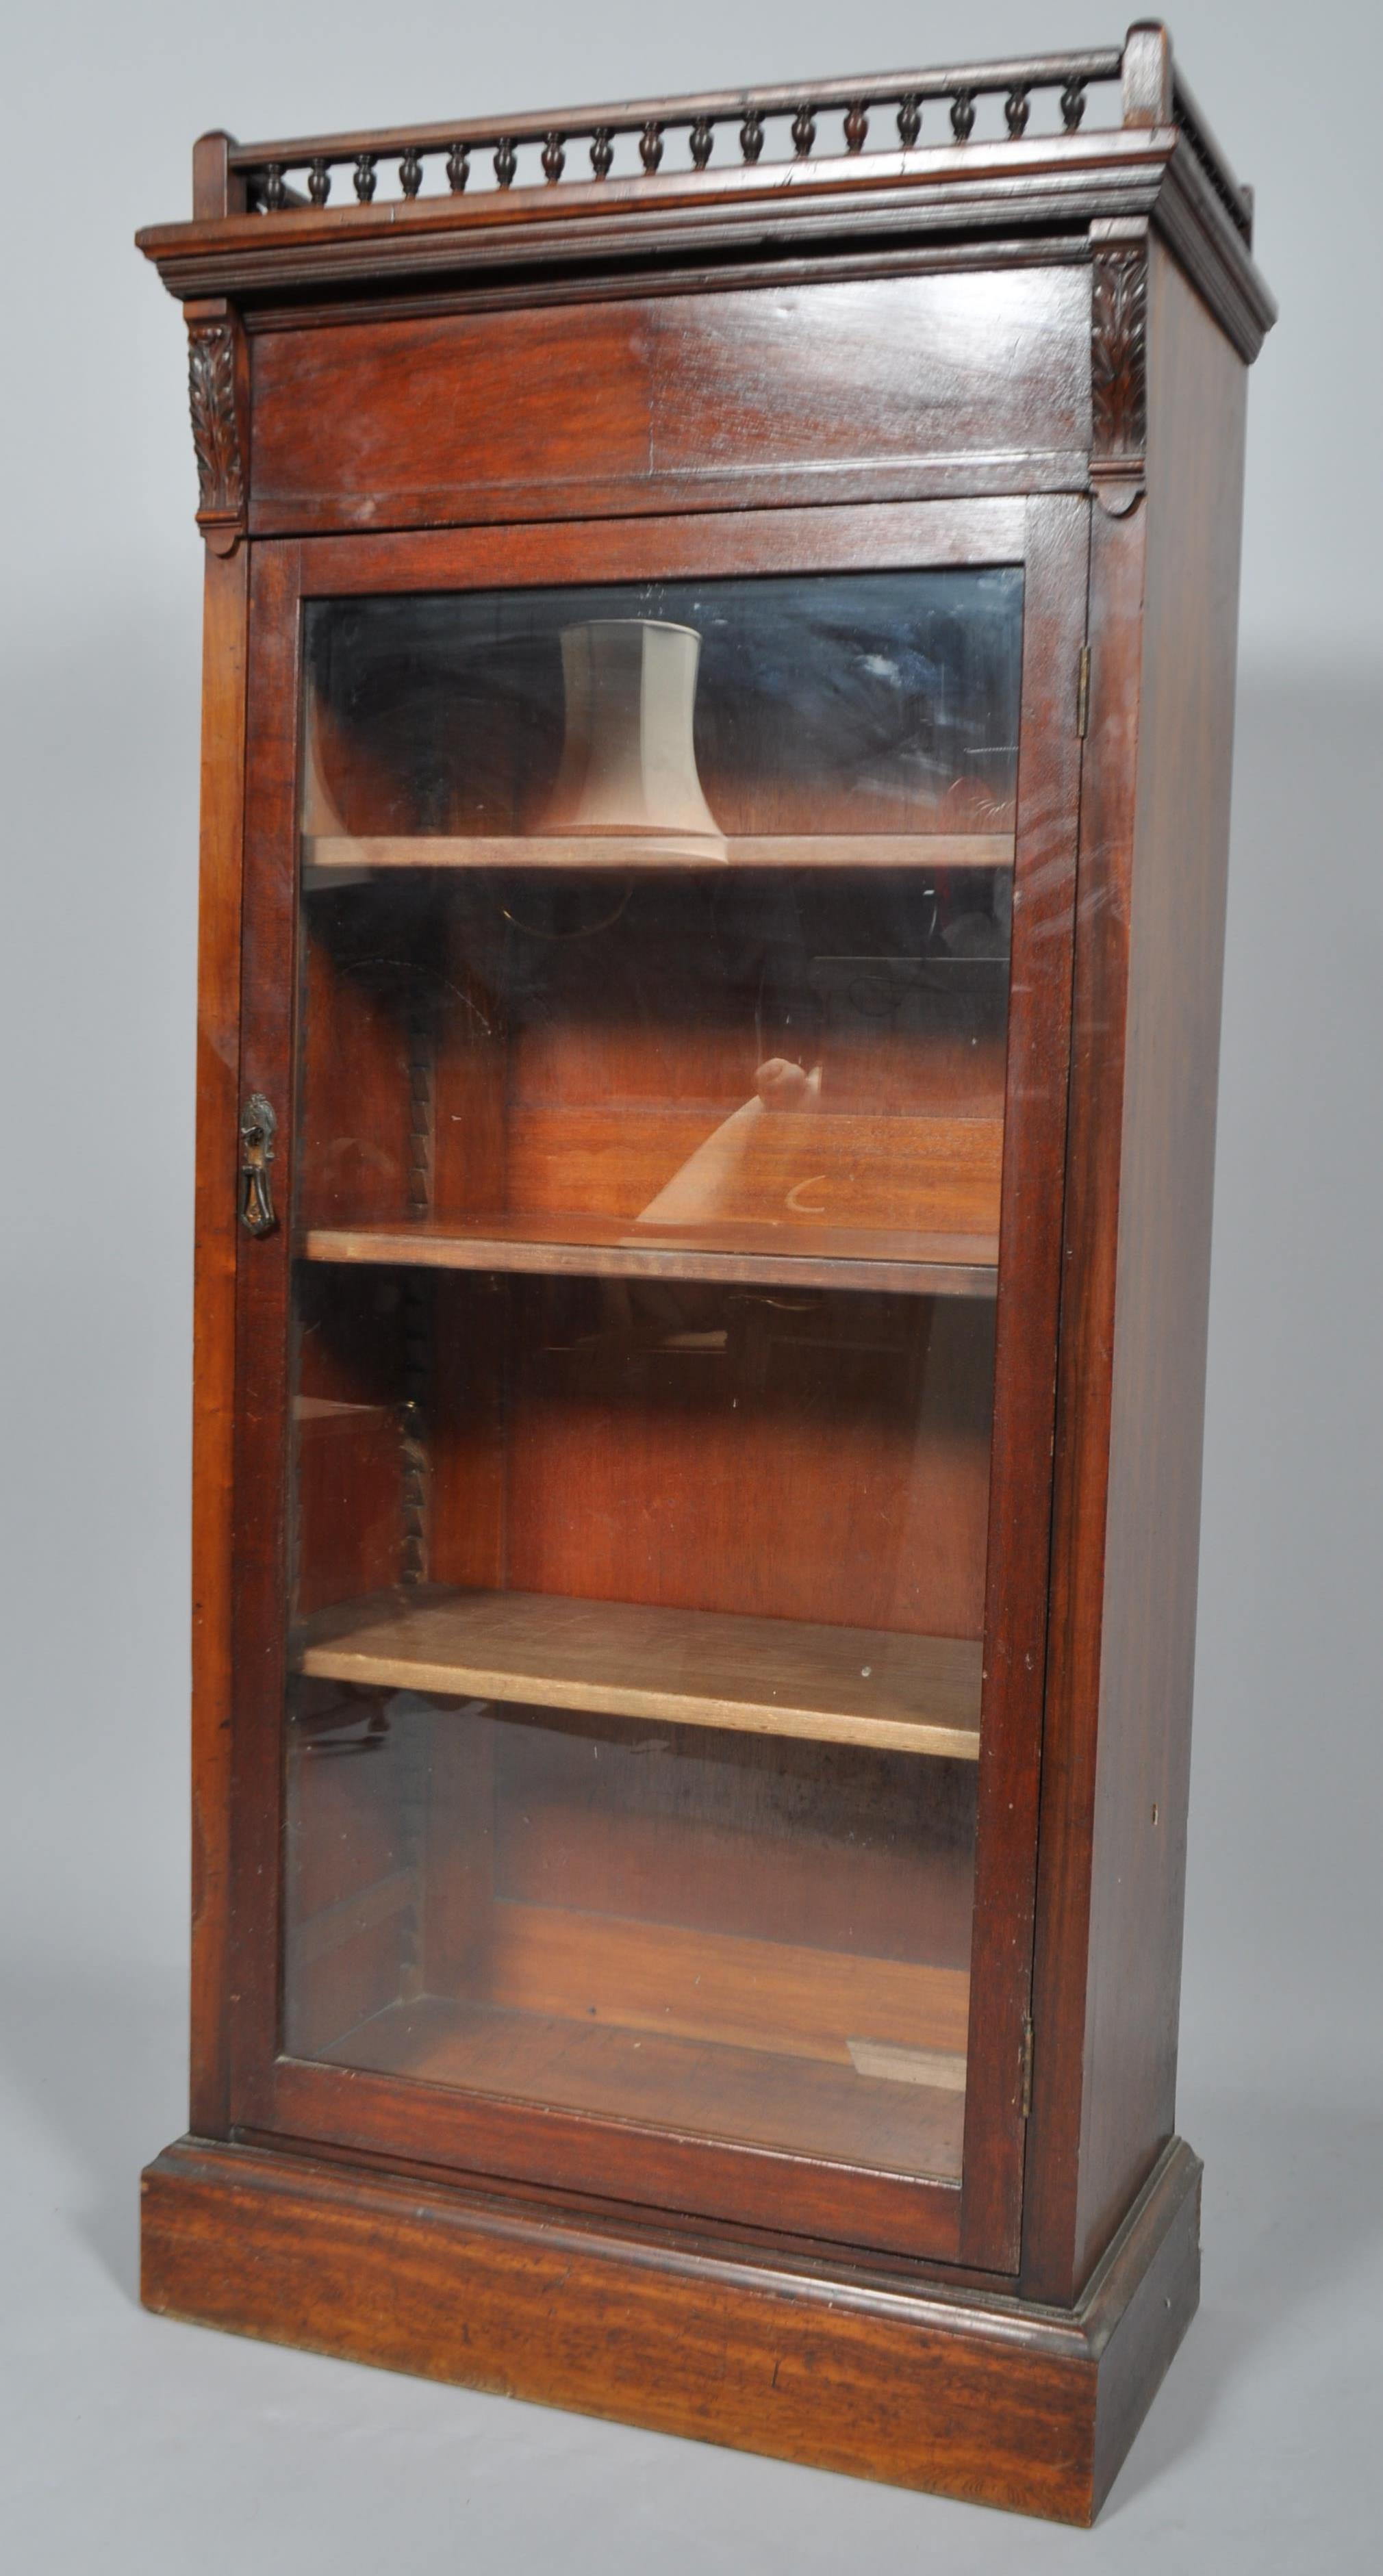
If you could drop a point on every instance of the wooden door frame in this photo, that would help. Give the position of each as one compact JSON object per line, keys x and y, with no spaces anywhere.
{"x":976,"y":2224}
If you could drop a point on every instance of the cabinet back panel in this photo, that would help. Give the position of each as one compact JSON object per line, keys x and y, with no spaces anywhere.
{"x":753,"y":1837}
{"x":348,"y":1439}
{"x":652,"y":1439}
{"x":501,"y":1046}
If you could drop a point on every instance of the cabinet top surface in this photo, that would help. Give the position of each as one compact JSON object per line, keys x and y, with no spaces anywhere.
{"x":1041,"y":145}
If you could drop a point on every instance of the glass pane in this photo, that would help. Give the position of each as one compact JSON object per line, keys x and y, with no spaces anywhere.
{"x":650,"y":1122}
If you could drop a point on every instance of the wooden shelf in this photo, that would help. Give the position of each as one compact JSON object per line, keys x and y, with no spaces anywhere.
{"x":935,"y":1265}
{"x":848,"y":2110}
{"x":336,"y":858}
{"x":677,"y":1667}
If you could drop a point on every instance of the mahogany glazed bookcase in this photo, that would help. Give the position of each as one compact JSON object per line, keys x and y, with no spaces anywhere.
{"x":719,"y":670}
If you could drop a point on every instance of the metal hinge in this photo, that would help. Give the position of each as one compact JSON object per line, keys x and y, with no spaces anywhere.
{"x":1025,"y":2103}
{"x":1083,"y":692}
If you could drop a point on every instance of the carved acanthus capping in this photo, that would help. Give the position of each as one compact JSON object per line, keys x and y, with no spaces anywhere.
{"x":1119,"y":372}
{"x":213,"y":396}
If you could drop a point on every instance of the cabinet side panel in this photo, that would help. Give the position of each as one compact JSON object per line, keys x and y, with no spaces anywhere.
{"x":1081,"y":1481}
{"x":1181,"y":835}
{"x":1055,"y":611}
{"x":218,"y":1049}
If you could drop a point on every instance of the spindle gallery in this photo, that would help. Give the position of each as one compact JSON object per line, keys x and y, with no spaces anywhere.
{"x":719,"y":667}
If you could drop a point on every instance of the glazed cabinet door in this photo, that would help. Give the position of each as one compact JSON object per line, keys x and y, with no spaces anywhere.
{"x":657,"y":970}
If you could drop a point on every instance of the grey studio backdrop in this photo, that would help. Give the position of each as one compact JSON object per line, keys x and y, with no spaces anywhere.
{"x":126,"y":2442}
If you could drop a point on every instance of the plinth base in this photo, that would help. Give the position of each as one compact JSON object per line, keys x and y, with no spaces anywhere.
{"x":959,"y":2391}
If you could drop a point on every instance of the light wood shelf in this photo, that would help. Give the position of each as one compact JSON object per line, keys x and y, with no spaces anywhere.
{"x":935,"y":1265}
{"x":332,"y":858}
{"x":677,"y":1667}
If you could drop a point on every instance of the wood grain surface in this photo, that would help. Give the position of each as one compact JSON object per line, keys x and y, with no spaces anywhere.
{"x":1030,"y":1290}
{"x":1028,"y":201}
{"x":335,"y":856}
{"x":1154,"y":846}
{"x":966,"y":2393}
{"x":891,"y":2201}
{"x":930,"y":1265}
{"x":808,"y":2102}
{"x":637,"y":401}
{"x":224,"y":654}
{"x":678,"y":1667}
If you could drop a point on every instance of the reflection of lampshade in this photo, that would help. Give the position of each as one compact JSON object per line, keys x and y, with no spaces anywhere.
{"x":320,"y":818}
{"x":628,"y":760}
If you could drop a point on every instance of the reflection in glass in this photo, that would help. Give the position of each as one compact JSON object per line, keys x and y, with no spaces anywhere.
{"x":743,"y":1936}
{"x":880,"y":704}
{"x":655,"y":949}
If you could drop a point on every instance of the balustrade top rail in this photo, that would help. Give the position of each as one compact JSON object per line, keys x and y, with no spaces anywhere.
{"x":1151,"y":93}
